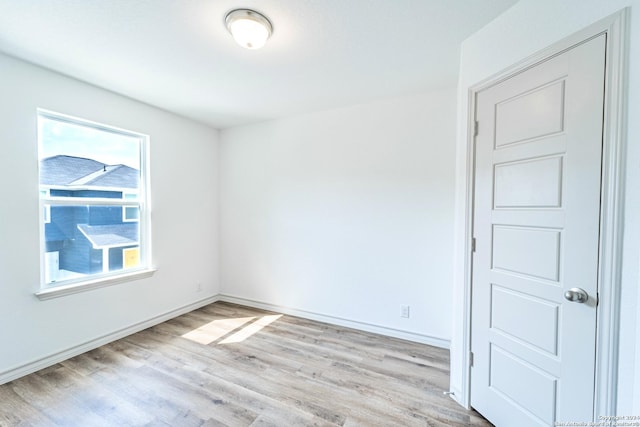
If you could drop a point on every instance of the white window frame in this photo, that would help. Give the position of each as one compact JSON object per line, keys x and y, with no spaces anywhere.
{"x":142,"y":202}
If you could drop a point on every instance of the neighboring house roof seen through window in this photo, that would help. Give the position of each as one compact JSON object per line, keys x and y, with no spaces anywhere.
{"x":72,"y":171}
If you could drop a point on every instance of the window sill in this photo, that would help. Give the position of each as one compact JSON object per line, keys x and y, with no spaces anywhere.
{"x":74,"y":288}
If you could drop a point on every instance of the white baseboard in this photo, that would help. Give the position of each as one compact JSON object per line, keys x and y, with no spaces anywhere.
{"x":58,"y":357}
{"x":363,"y":326}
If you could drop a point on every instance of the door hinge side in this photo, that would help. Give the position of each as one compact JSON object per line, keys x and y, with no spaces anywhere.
{"x":473,"y":245}
{"x":476,"y":126}
{"x":471,"y":358}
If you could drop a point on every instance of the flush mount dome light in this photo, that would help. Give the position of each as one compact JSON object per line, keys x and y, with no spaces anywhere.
{"x":249,"y":28}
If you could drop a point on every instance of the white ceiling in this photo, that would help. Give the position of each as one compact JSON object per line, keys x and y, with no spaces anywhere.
{"x":177,"y":54}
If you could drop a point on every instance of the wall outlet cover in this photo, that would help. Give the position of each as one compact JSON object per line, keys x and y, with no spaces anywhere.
{"x":404,"y":311}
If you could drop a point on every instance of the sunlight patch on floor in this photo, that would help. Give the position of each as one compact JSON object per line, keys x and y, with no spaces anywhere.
{"x":215,"y":330}
{"x":235,"y":330}
{"x":251,"y":329}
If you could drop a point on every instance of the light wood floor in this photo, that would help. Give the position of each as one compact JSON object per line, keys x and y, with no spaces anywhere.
{"x":292,"y":372}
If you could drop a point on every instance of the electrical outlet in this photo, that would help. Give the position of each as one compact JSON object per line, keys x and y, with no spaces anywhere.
{"x":199,"y":287}
{"x":404,"y":311}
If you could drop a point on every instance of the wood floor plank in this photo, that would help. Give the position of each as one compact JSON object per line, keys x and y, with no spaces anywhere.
{"x":63,"y":409}
{"x":243,"y":367}
{"x":15,"y":411}
{"x":235,"y":368}
{"x":93,"y":395}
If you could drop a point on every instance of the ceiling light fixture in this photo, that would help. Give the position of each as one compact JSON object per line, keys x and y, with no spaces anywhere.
{"x":249,"y":28}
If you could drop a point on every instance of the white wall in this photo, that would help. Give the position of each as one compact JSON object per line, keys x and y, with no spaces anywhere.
{"x":528,"y":27}
{"x":184,"y":176}
{"x":345,"y":213}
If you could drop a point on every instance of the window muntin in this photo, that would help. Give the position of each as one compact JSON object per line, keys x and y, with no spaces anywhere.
{"x":93,"y":200}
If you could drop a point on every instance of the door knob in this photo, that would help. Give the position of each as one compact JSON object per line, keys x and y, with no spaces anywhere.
{"x":576,"y":295}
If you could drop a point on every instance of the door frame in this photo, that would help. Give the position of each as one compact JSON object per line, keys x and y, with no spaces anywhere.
{"x":611,"y":210}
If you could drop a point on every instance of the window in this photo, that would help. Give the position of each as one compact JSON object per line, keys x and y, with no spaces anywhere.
{"x":93,"y":201}
{"x":130,"y":213}
{"x":131,"y":257}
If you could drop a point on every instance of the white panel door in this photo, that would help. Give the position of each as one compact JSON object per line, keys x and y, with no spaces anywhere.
{"x":536,"y":225}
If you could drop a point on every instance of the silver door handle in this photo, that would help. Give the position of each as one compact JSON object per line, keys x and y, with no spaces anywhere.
{"x":576,"y":295}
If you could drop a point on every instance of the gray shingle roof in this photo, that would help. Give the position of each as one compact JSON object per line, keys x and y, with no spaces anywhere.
{"x":110,"y":235}
{"x":72,"y":171}
{"x":63,"y":170}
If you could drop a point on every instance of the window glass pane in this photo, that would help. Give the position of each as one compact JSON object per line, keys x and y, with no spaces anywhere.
{"x":83,"y":161}
{"x":84,"y":240}
{"x":79,"y":163}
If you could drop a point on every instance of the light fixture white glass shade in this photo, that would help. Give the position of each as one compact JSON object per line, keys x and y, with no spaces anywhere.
{"x":249,"y":28}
